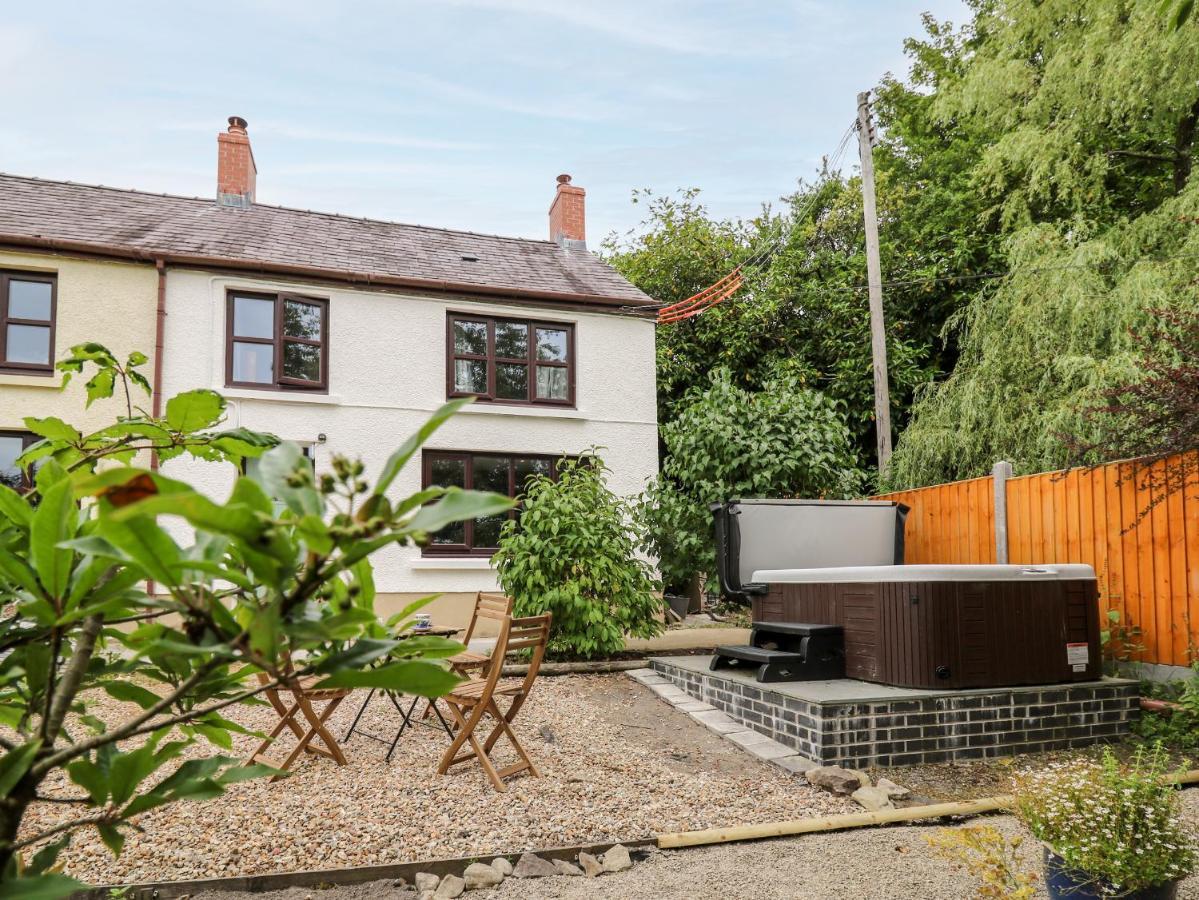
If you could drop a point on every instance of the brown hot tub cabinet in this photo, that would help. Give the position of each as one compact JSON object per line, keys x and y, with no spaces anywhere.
{"x":804,"y":562}
{"x":948,"y":626}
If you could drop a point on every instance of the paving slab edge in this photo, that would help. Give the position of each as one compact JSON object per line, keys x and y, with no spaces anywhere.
{"x":326,"y":878}
{"x":752,"y":742}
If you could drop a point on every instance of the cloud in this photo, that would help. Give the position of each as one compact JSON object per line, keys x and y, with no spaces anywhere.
{"x":579,"y":109}
{"x":643,"y":24}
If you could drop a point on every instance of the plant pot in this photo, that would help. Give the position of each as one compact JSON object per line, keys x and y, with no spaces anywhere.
{"x":1065,"y":884}
{"x":679,"y":605}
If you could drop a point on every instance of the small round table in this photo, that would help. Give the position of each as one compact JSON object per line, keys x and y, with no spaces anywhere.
{"x":393,"y":696}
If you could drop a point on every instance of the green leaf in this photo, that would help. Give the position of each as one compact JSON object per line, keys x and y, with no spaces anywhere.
{"x":361,"y":653}
{"x":52,"y":428}
{"x":192,"y":411}
{"x":429,"y":646}
{"x":15,"y":763}
{"x":14,"y":508}
{"x":145,"y":542}
{"x":425,"y":679}
{"x":313,"y":532}
{"x":16,"y":570}
{"x":53,"y":523}
{"x":49,"y":886}
{"x":112,"y":837}
{"x":457,"y":505}
{"x":278,"y":467}
{"x":129,"y":692}
{"x":100,"y":385}
{"x":47,"y":856}
{"x":400,"y":457}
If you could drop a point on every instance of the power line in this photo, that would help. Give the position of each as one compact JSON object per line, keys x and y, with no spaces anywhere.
{"x":730,"y":283}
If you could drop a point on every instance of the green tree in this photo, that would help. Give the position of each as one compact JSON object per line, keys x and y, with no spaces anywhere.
{"x":574,"y":553}
{"x":1085,"y":120}
{"x":1048,"y":343}
{"x":281,"y":569}
{"x":727,"y":442}
{"x":800,"y":315}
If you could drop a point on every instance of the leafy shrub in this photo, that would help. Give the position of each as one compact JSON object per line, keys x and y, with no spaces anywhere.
{"x":1116,"y":823}
{"x":574,"y":553}
{"x":785,"y":441}
{"x":282,"y":568}
{"x":991,"y":857}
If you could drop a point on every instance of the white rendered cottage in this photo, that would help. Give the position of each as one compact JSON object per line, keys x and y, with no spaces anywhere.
{"x":344,"y":334}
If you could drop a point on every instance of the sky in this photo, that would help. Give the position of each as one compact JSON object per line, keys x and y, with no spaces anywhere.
{"x":450,"y":113}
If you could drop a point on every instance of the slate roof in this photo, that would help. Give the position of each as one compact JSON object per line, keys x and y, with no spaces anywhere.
{"x":34,"y":211}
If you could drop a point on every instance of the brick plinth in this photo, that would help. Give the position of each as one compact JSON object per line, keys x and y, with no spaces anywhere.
{"x":922,"y":728}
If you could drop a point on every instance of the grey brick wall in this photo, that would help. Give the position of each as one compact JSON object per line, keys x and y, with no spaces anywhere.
{"x":965,"y":725}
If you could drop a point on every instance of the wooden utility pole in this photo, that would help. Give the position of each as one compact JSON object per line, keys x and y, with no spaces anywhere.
{"x":874,"y":280}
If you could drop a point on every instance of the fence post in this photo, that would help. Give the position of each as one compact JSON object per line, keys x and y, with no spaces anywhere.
{"x":1000,"y":473}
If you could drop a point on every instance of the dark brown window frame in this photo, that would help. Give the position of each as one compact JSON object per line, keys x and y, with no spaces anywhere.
{"x":28,"y":439}
{"x":491,"y":360}
{"x":468,"y":549}
{"x":20,"y":368}
{"x":277,"y":341}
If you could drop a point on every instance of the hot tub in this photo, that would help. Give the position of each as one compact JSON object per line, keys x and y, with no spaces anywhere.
{"x":927,"y":626}
{"x":920,"y":626}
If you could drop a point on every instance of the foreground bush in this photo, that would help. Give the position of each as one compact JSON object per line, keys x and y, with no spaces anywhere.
{"x":785,"y":441}
{"x":280,"y":568}
{"x":1117,"y":824}
{"x":573,"y":553}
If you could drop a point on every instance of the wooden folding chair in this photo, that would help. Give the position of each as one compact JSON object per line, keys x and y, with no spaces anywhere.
{"x":496,"y":607}
{"x":303,"y":694}
{"x":487,"y":606}
{"x":470,"y":701}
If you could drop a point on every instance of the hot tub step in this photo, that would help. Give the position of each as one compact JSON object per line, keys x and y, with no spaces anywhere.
{"x":773,"y":665}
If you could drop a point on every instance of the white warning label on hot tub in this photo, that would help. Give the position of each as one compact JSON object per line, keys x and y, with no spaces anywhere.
{"x":1078,"y":655}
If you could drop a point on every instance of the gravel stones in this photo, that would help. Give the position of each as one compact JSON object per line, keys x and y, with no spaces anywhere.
{"x":565,"y":867}
{"x":530,"y":865}
{"x":892,"y":790}
{"x":591,"y":866}
{"x":601,"y":782}
{"x":426,"y":881}
{"x":481,"y":875}
{"x":617,"y":859}
{"x":501,"y":865}
{"x":451,"y":886}
{"x":872,"y":799}
{"x":835,"y":779}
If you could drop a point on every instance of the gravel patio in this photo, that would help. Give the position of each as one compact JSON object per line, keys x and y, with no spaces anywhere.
{"x":617,"y":763}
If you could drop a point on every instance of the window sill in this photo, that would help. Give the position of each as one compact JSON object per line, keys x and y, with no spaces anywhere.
{"x":29,"y":379}
{"x":471,"y":563}
{"x":233,"y":393}
{"x":538,"y":412}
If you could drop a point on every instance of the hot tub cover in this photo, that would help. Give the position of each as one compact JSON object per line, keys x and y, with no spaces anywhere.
{"x":875,"y":574}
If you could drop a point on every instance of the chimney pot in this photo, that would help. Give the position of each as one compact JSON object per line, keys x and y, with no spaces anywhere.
{"x":236,"y":173}
{"x":568,"y":220}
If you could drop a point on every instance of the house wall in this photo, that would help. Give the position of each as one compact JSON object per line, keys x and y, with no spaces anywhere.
{"x":112,"y":303}
{"x":387,"y":373}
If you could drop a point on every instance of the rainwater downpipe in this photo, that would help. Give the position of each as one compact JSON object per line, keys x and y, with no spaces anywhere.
{"x":156,"y":385}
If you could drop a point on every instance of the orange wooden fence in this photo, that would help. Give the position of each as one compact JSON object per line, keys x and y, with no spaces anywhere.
{"x":1145,"y":553}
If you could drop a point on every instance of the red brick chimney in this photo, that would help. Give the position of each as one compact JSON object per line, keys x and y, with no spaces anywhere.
{"x":235,"y":170}
{"x":568,"y":223}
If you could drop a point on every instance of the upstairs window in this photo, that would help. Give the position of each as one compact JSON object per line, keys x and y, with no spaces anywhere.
{"x":502,"y":473}
{"x":12,"y":445}
{"x":27,"y":306}
{"x":277,"y":342}
{"x":515,"y":361}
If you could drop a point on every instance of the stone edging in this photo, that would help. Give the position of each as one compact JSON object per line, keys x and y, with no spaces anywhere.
{"x":764,"y":748}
